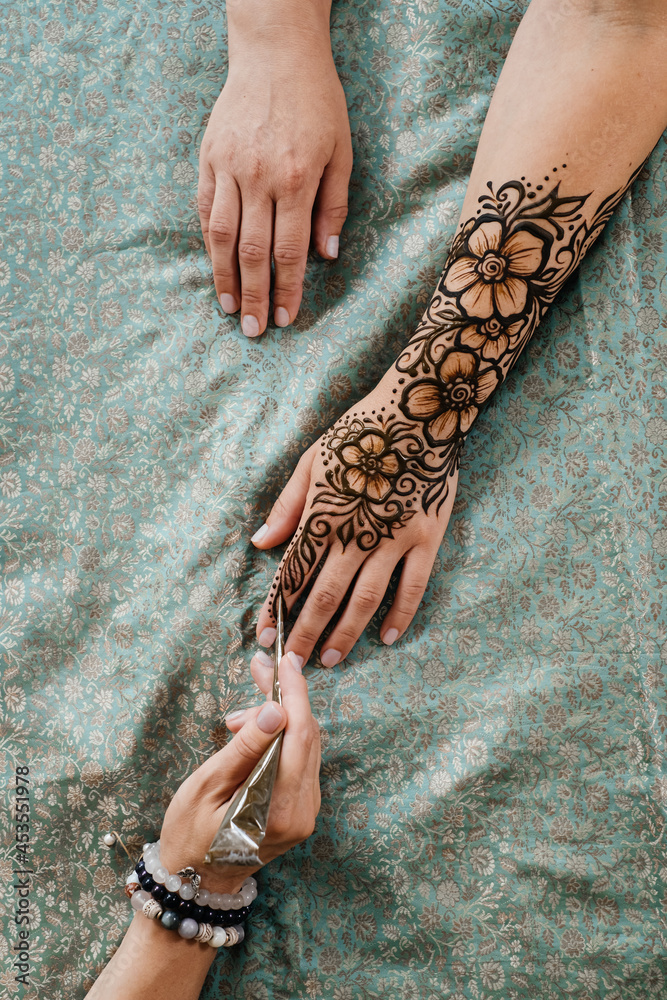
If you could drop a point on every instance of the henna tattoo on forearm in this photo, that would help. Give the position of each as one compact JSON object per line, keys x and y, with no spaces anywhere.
{"x":504,"y":270}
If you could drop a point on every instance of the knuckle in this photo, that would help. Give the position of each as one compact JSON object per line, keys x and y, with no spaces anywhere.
{"x":305,"y":737}
{"x":305,"y":636}
{"x":325,"y":601}
{"x":292,"y":823}
{"x":255,"y":301}
{"x":347,"y":635}
{"x":288,"y":254}
{"x":223,"y":275}
{"x":337,"y":212}
{"x":295,"y":178}
{"x":284,"y":292}
{"x":220,"y":231}
{"x":425,"y":537}
{"x":366,"y":599}
{"x":281,"y":826}
{"x":252,"y":253}
{"x":411,"y":595}
{"x":255,"y":168}
{"x":249,"y":745}
{"x":204,"y":203}
{"x":207,"y":143}
{"x":305,"y":827}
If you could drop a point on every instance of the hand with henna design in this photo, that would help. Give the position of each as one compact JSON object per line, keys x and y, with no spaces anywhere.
{"x":359,"y":500}
{"x":379,"y":486}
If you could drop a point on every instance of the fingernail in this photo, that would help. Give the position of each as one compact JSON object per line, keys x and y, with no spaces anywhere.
{"x":269,"y":718}
{"x":250,"y":326}
{"x":330,"y":657}
{"x":281,"y":316}
{"x":332,"y":246}
{"x":228,"y":302}
{"x":267,"y":637}
{"x":295,"y":660}
{"x":259,"y":534}
{"x":263,"y":659}
{"x":391,"y":635}
{"x":234,"y":715}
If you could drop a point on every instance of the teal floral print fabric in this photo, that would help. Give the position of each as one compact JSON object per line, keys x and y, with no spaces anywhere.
{"x":494,"y":790}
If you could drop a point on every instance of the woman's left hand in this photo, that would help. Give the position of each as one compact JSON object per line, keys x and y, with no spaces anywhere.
{"x":199,"y":805}
{"x":371,"y":492}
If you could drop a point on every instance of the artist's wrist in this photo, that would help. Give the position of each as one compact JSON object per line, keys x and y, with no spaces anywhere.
{"x":169,"y":951}
{"x":152,"y":960}
{"x":215,"y":878}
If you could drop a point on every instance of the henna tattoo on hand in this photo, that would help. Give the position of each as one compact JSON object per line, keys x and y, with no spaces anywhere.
{"x":504,"y":270}
{"x":378,"y":472}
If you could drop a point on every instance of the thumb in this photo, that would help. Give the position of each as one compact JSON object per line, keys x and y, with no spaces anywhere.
{"x":286,"y":512}
{"x":205,"y":195}
{"x":229,"y":767}
{"x":330,"y":209}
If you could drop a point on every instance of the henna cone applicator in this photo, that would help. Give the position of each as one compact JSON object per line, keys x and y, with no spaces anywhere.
{"x":242,"y":830}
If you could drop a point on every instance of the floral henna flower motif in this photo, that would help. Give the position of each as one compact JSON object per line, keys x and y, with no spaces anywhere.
{"x":447,"y":406}
{"x":493,"y":337}
{"x":371,"y":466}
{"x":491,"y":276}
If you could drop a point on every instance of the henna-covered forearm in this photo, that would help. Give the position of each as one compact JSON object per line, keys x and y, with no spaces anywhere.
{"x":579,"y":105}
{"x":505,"y":268}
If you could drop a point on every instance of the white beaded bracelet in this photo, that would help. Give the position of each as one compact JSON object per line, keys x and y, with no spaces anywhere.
{"x":191,"y":889}
{"x":150,"y":884}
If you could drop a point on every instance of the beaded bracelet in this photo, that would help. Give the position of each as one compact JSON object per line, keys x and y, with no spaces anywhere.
{"x":179,"y":903}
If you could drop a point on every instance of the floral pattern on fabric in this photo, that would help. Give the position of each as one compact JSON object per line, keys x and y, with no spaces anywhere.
{"x":494,"y":788}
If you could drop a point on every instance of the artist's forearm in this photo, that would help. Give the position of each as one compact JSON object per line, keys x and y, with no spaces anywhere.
{"x":152,"y":962}
{"x":284,"y":26}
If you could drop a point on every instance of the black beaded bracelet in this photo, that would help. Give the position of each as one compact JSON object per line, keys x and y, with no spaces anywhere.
{"x":187,"y":907}
{"x":180,"y":904}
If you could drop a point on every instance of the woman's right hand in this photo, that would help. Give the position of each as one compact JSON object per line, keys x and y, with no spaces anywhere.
{"x":150,"y":961}
{"x":275,"y":161}
{"x":200,"y":803}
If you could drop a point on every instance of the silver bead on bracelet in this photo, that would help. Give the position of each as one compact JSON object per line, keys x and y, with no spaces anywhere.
{"x":191,"y":889}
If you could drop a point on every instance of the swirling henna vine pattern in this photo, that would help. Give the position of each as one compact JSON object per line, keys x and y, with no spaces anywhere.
{"x":377,"y":469}
{"x":504,"y":270}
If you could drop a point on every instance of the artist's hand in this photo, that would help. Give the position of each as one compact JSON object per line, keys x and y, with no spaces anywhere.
{"x":199,"y":805}
{"x":274,"y":169}
{"x":371,"y":492}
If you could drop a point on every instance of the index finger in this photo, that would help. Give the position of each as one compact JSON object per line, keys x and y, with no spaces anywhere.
{"x":301,"y":730}
{"x":291,"y":237}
